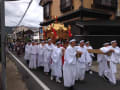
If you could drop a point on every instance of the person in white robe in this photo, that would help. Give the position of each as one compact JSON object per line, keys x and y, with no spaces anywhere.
{"x":88,"y":46}
{"x":56,"y":69}
{"x":33,"y":56}
{"x":27,"y":52}
{"x":69,"y":67}
{"x":82,"y":61}
{"x":47,"y":56}
{"x":51,"y":61}
{"x":113,"y":61}
{"x":119,"y":56}
{"x":41,"y":50}
{"x":101,"y":59}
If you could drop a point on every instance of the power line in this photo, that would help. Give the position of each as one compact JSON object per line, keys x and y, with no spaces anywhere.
{"x":24,"y":13}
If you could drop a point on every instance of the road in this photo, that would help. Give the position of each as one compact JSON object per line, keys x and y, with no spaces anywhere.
{"x":92,"y":82}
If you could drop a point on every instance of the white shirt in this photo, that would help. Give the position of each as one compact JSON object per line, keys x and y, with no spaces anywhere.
{"x":70,"y":55}
{"x":27,"y":48}
{"x":114,"y":57}
{"x":85,"y":57}
{"x":57,"y":55}
{"x":41,"y":49}
{"x":33,"y":49}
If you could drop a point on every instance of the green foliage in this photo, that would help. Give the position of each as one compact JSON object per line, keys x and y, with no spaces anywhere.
{"x":27,"y":39}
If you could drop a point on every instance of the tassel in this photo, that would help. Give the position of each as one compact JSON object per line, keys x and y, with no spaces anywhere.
{"x":69,"y":31}
{"x":53,"y":30}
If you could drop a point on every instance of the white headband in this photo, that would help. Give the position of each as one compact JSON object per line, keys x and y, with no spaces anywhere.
{"x":82,"y":41}
{"x":106,"y":43}
{"x":113,"y":41}
{"x":73,"y":40}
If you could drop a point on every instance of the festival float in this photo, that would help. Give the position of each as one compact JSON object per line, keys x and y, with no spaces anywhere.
{"x":57,"y":31}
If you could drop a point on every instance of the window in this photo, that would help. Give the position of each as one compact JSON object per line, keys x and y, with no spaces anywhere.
{"x":66,"y":5}
{"x":105,"y":4}
{"x":47,"y":11}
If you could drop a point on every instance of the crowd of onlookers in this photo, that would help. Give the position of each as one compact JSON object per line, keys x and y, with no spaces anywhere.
{"x":17,"y":46}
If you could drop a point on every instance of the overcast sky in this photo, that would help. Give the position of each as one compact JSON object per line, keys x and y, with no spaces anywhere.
{"x":15,"y":9}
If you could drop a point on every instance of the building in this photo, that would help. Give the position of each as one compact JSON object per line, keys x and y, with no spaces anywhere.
{"x":24,"y":33}
{"x":37,"y":36}
{"x":94,"y":20}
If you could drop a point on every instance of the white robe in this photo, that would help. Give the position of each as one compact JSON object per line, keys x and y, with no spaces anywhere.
{"x":27,"y":52}
{"x":113,"y":59}
{"x":101,"y":59}
{"x":69,"y":67}
{"x":91,"y":55}
{"x":41,"y":50}
{"x":119,"y":57}
{"x":82,"y":63}
{"x":33,"y":57}
{"x":47,"y":57}
{"x":56,"y":66}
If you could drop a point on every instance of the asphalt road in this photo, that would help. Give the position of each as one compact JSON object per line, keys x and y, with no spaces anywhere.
{"x":92,"y":82}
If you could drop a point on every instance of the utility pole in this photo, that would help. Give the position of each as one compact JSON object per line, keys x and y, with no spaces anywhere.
{"x":3,"y":41}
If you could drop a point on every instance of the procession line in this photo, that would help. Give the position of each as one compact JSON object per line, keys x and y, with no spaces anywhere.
{"x":31,"y":73}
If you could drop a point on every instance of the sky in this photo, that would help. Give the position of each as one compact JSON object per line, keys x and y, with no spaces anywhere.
{"x":14,"y":10}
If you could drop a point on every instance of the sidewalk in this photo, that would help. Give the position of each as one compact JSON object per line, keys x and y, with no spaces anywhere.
{"x":95,"y":68}
{"x":14,"y":79}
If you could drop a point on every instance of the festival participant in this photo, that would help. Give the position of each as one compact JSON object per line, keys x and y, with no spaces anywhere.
{"x":27,"y":52}
{"x":65,"y":45}
{"x":41,"y":50}
{"x":88,"y":46}
{"x":82,"y":60}
{"x":47,"y":56}
{"x":113,"y":59}
{"x":69,"y":67}
{"x":33,"y":56}
{"x":56,"y":69}
{"x":101,"y":59}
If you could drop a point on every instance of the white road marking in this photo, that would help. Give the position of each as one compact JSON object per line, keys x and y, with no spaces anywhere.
{"x":32,"y":74}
